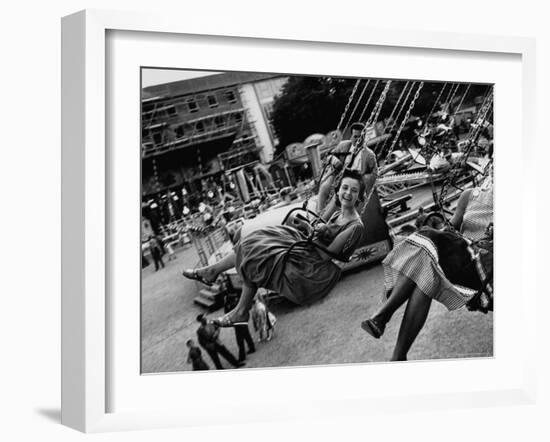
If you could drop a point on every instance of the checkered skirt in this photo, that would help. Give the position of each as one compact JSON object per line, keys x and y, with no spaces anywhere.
{"x":417,"y":258}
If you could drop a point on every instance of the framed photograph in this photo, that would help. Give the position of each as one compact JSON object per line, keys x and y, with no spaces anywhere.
{"x":185,"y":149}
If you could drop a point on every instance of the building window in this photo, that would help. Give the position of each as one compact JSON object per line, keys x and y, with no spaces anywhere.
{"x":268,"y":110}
{"x":171,"y":111}
{"x":218,"y":121}
{"x":180,"y":132}
{"x":231,"y":98}
{"x":199,"y":127}
{"x":212,"y":101}
{"x":192,"y":105}
{"x":157,"y":137}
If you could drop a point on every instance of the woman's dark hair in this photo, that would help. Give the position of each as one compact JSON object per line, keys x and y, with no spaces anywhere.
{"x":356,"y":175}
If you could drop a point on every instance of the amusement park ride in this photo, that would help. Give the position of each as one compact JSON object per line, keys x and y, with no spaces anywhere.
{"x":423,"y":172}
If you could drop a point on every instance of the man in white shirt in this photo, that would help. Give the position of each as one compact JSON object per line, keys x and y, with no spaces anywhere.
{"x":349,"y":154}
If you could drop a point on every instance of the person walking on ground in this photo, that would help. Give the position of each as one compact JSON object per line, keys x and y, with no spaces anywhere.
{"x":156,"y":251}
{"x":208,"y":336}
{"x":242,"y":332}
{"x":194,"y":357}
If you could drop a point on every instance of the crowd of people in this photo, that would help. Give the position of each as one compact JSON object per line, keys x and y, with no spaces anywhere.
{"x":447,"y":262}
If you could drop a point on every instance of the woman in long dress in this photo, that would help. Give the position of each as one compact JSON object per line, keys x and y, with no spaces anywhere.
{"x":270,"y":258}
{"x":433,"y":264}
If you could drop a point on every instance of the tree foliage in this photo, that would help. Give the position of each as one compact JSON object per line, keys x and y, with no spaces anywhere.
{"x":310,"y":105}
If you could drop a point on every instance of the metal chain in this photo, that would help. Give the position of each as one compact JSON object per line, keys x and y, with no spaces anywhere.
{"x":481,"y":109}
{"x":390,"y":118}
{"x":398,"y":116}
{"x":471,"y":142}
{"x":368,"y":101}
{"x":450,"y":102}
{"x":372,"y":120}
{"x":449,"y":94}
{"x":338,"y":128}
{"x":377,"y":107}
{"x":424,"y":150}
{"x":375,"y":111}
{"x":434,"y":105}
{"x":463,"y":97}
{"x":348,"y":104}
{"x":405,"y":118}
{"x":377,"y":114}
{"x":357,"y":103}
{"x":367,"y":199}
{"x":479,"y":127}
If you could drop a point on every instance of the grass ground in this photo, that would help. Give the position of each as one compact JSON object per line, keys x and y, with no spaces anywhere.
{"x":327,"y":332}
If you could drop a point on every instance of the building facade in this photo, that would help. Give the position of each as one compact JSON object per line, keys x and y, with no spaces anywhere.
{"x":198,"y":129}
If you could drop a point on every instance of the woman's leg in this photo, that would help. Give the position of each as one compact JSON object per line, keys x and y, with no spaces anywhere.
{"x":414,"y":319}
{"x":211,"y":272}
{"x":400,"y":293}
{"x":241,"y":312}
{"x":226,"y":263}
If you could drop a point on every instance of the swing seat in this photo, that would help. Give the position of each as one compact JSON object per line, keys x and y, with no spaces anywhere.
{"x":400,"y":203}
{"x":298,"y":217}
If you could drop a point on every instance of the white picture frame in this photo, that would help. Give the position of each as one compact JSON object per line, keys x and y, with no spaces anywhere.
{"x":86,"y":314}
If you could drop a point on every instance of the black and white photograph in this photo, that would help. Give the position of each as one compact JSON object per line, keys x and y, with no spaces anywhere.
{"x":298,"y":220}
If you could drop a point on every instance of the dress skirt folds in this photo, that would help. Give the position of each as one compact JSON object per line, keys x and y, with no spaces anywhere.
{"x":438,"y":262}
{"x":303,"y":277}
{"x":270,"y":258}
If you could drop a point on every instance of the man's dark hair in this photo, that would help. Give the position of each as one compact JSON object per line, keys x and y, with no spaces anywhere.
{"x":357,"y":126}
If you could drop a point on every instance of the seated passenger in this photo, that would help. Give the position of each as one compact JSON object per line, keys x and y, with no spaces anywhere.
{"x":434,"y":264}
{"x":271,"y":258}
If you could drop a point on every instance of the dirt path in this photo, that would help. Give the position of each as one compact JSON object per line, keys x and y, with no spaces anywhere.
{"x":325,"y":333}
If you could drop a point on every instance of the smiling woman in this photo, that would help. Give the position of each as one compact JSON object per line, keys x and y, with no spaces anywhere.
{"x":286,"y":260}
{"x":102,"y":316}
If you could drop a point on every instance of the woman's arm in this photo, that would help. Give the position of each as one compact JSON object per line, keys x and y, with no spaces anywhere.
{"x":299,"y":222}
{"x":334,"y":160}
{"x":458,"y":216}
{"x":345,"y":242}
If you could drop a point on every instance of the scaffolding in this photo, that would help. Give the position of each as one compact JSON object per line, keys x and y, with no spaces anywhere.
{"x":164,"y":137}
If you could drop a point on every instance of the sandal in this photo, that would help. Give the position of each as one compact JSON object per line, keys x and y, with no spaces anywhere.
{"x":193,"y":274}
{"x":226,"y":321}
{"x":372,"y":328}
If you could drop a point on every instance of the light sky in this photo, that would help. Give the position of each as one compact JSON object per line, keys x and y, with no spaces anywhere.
{"x":152,"y":77}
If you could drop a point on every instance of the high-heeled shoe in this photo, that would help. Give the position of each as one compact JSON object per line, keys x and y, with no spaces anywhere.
{"x":373,"y":328}
{"x":193,"y":274}
{"x":226,"y":321}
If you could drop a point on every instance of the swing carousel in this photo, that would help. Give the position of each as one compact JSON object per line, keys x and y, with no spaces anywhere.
{"x":419,"y":177}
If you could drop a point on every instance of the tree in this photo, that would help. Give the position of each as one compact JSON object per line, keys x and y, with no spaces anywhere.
{"x":309,"y":105}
